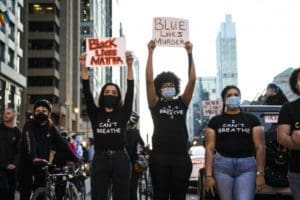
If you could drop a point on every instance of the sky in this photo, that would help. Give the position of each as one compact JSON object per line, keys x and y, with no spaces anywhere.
{"x":267,"y":31}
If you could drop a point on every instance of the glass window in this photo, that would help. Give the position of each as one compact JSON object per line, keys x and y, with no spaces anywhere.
{"x":2,"y":52}
{"x":40,"y":81}
{"x":11,"y":55}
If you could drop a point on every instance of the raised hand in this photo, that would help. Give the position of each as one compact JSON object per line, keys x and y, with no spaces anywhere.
{"x":129,"y":58}
{"x":151,"y":46}
{"x":189,"y":47}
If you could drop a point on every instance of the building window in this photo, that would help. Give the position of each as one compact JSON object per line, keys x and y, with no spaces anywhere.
{"x":43,"y":63}
{"x":11,"y":97}
{"x":12,"y":31}
{"x":2,"y":52}
{"x":43,"y":45}
{"x":43,"y":27}
{"x":11,"y":55}
{"x":2,"y":95}
{"x":51,"y":98}
{"x":43,"y":8}
{"x":11,"y":4}
{"x":43,"y":81}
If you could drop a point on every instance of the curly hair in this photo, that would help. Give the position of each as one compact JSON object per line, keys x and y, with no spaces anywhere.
{"x":224,"y":92}
{"x":166,"y":77}
{"x":101,"y":99}
{"x":293,"y":81}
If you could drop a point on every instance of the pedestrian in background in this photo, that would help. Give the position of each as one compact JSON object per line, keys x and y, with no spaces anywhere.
{"x":39,"y":137}
{"x":170,"y":163}
{"x":234,"y":151}
{"x":275,"y":95}
{"x":9,"y":149}
{"x":134,"y":141}
{"x":288,"y":133}
{"x":111,"y":164}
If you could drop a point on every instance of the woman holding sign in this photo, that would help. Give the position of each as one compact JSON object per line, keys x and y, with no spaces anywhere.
{"x":111,"y":164}
{"x":170,"y":164}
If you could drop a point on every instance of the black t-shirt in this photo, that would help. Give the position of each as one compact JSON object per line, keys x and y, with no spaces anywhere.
{"x":170,"y":132}
{"x":290,"y":115}
{"x":109,"y":127}
{"x":234,"y":134}
{"x":9,"y":145}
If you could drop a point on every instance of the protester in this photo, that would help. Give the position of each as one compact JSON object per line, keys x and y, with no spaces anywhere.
{"x":111,"y":164}
{"x":235,"y":151}
{"x":288,"y":133}
{"x":134,"y":141}
{"x":9,"y":149}
{"x":274,"y":95}
{"x":39,"y":137}
{"x":170,"y":164}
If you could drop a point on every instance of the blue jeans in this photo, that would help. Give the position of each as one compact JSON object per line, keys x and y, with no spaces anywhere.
{"x":235,"y":177}
{"x":294,"y":181}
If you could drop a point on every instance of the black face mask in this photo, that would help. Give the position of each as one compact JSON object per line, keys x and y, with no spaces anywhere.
{"x":110,"y":101}
{"x":40,"y":117}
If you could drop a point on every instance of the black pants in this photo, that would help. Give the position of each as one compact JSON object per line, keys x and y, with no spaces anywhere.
{"x":134,"y":185}
{"x":25,"y":179}
{"x":8,"y":183}
{"x":110,"y":170}
{"x":170,"y":175}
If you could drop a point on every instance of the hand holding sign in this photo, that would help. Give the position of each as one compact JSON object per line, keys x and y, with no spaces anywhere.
{"x":172,"y":32}
{"x":189,"y":47}
{"x":151,"y":46}
{"x":129,"y":58}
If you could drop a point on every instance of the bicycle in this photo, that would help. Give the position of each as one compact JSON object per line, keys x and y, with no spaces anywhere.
{"x":53,"y":181}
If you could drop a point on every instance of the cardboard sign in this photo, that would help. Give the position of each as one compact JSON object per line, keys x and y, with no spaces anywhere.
{"x":212,"y":107}
{"x":270,"y":119}
{"x":102,"y":52}
{"x":171,"y":32}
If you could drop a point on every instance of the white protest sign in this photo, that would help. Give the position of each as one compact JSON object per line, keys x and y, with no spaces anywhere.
{"x":212,"y":107}
{"x":101,"y":52}
{"x":170,"y":32}
{"x":270,"y":119}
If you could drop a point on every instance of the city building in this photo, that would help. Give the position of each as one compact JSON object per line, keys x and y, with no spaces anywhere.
{"x":52,"y":45}
{"x":226,"y":55}
{"x":205,"y":89}
{"x":282,"y":80}
{"x":12,"y":79}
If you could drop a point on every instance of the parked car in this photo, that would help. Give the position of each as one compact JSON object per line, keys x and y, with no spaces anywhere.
{"x":277,"y":186}
{"x":197,"y":156}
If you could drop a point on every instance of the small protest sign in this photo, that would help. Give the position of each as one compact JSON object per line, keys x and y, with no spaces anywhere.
{"x":211,"y":107}
{"x":171,"y":32}
{"x":102,"y":52}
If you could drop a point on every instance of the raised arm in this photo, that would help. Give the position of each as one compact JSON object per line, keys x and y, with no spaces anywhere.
{"x":151,"y":94}
{"x":91,"y":106}
{"x":188,"y":92}
{"x":129,"y":61}
{"x":130,"y":86}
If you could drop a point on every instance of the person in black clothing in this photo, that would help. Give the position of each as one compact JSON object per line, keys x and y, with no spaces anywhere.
{"x":111,"y":164}
{"x":170,"y":164}
{"x":39,"y":137}
{"x":275,"y":96}
{"x":134,"y":141}
{"x":288,"y":134}
{"x":9,"y":149}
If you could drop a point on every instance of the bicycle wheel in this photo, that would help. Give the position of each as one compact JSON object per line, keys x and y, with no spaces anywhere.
{"x":71,"y":192}
{"x":41,"y":194}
